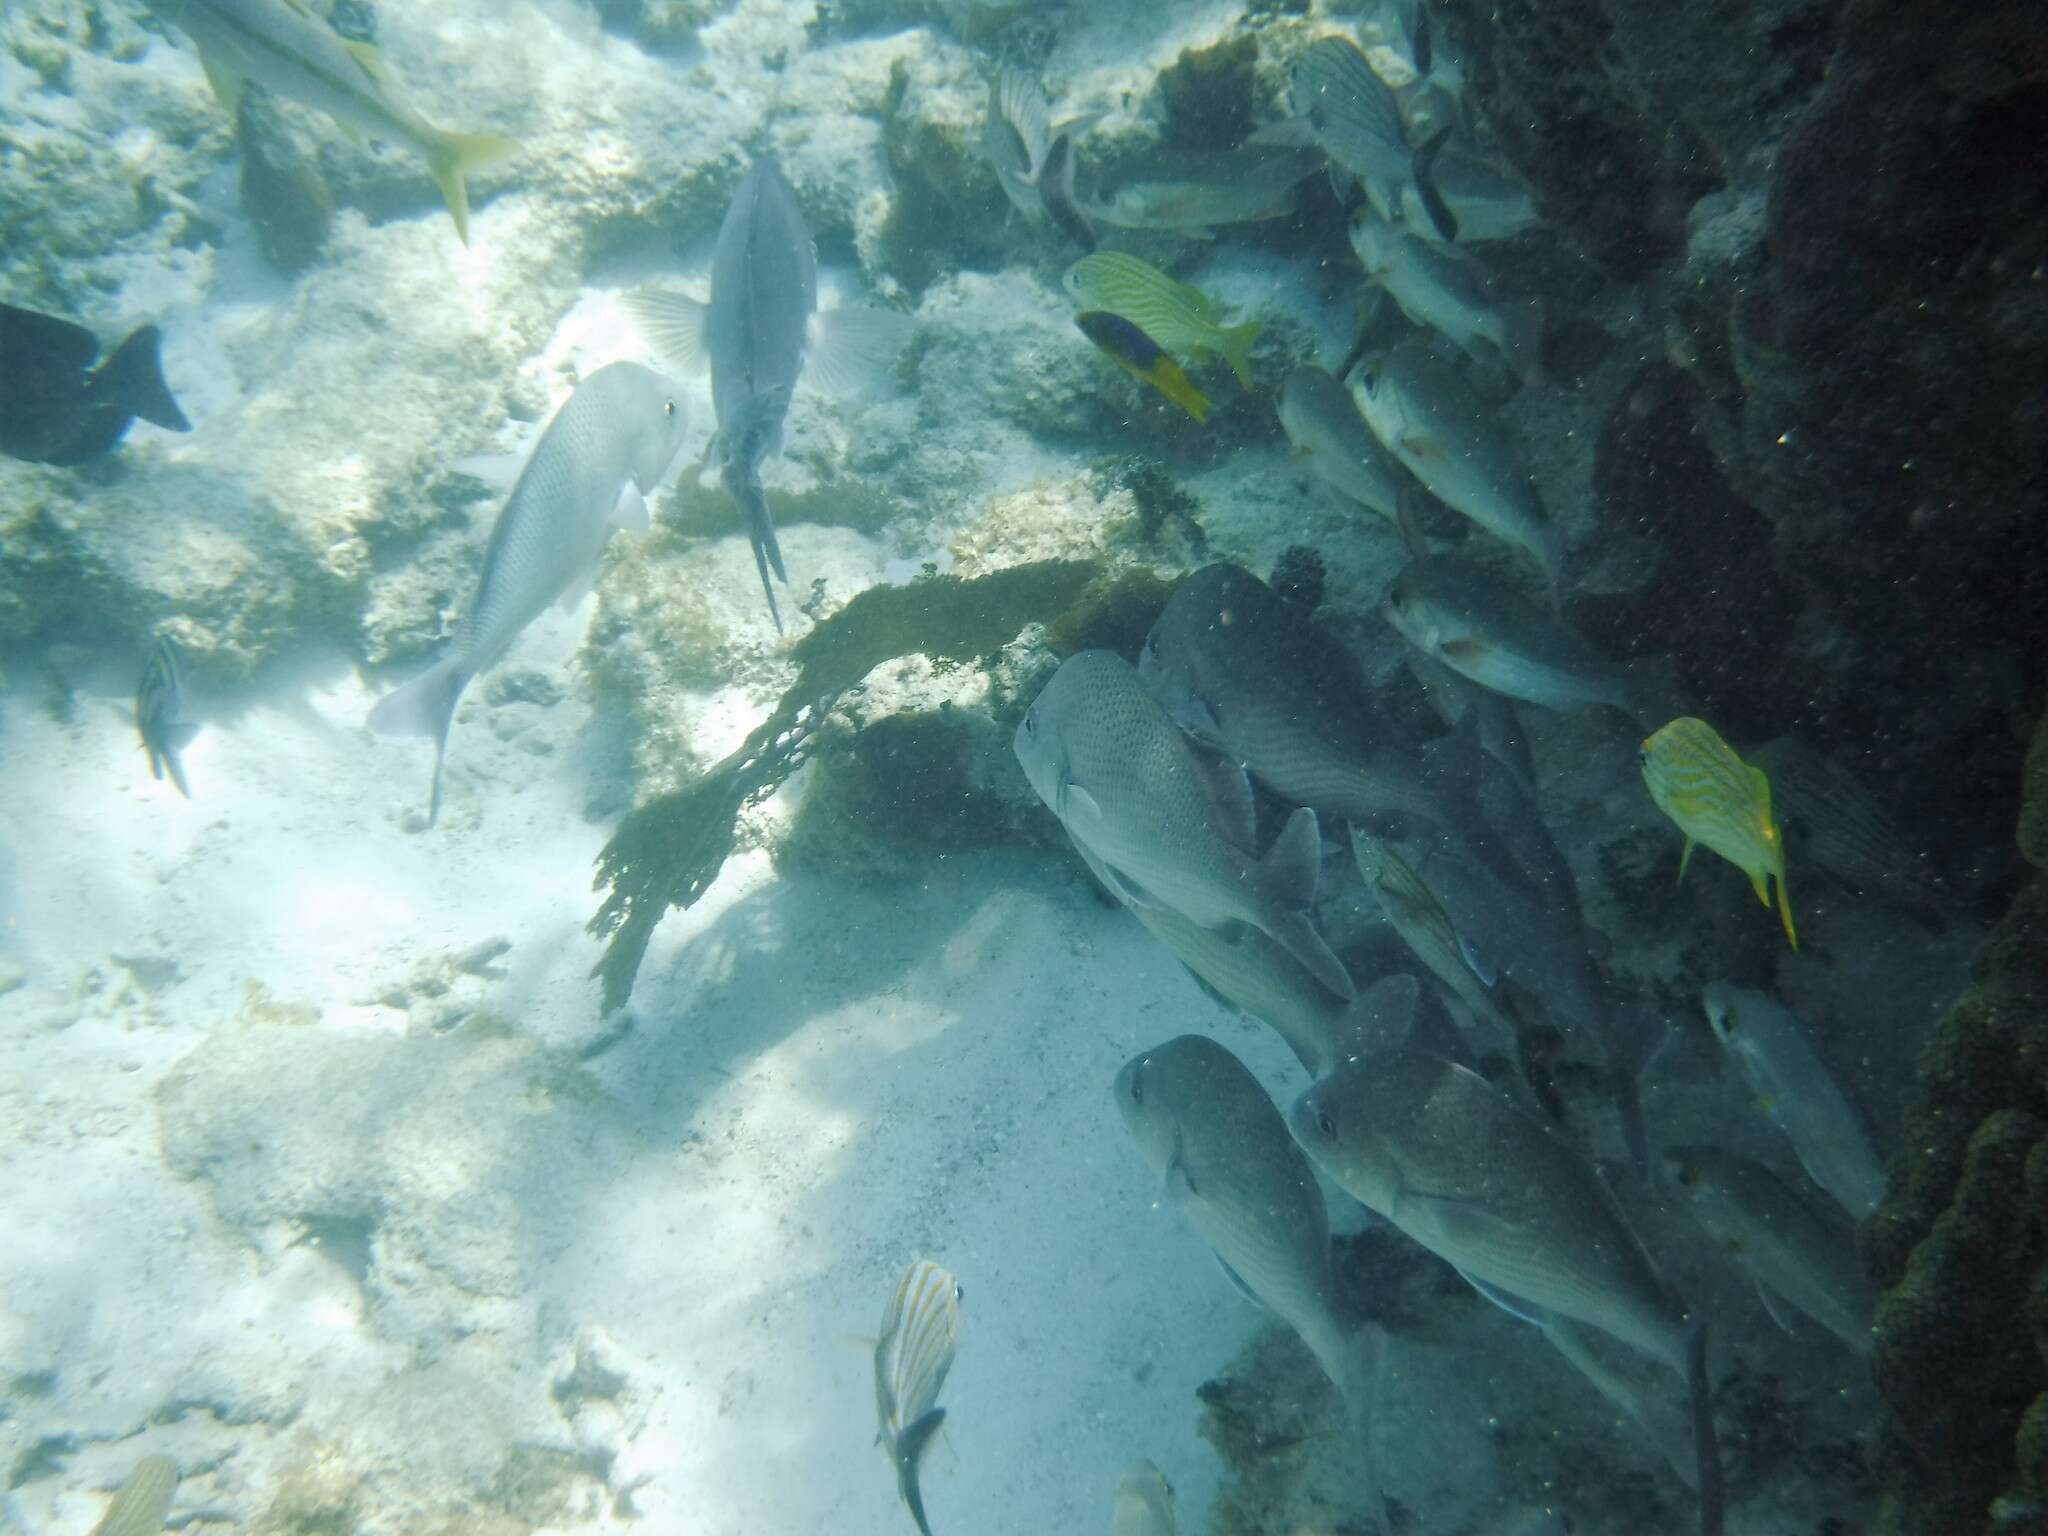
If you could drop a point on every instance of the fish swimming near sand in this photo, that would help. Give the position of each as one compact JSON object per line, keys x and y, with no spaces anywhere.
{"x":1442,"y":289}
{"x":1452,"y":1161}
{"x":1171,"y":823}
{"x":159,"y":701}
{"x":760,"y":333}
{"x":1032,"y":156}
{"x":1142,"y":358}
{"x":1775,"y":1054}
{"x":1794,"y":1251}
{"x":606,"y":449}
{"x":1317,"y":414}
{"x":57,"y":407}
{"x":920,"y":1334}
{"x":1208,"y":1129}
{"x":1179,"y":319}
{"x":143,"y":1501}
{"x":285,"y":48}
{"x":1429,"y":417}
{"x":1715,"y":798}
{"x":1144,"y":1502}
{"x":1353,"y":115}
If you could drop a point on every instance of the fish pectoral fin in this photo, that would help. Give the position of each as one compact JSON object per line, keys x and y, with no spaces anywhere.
{"x":1515,"y":1306}
{"x":1230,"y":791}
{"x":1080,"y":802}
{"x":228,"y":86}
{"x":630,"y":510}
{"x":1763,"y":1294}
{"x":579,"y":586}
{"x":1420,"y":446}
{"x":1194,"y":716}
{"x":1237,"y":1283}
{"x":1469,"y":651}
{"x":1127,"y":890}
{"x":853,"y":351}
{"x":673,"y":324}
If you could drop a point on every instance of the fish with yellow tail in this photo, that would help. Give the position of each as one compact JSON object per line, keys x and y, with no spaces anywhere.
{"x":920,"y":1332}
{"x":1142,"y":358}
{"x":1179,"y":318}
{"x":1715,"y":798}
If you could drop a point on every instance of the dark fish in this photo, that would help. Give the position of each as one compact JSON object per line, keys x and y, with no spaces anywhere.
{"x":1140,"y":356}
{"x":159,"y":698}
{"x":57,"y":408}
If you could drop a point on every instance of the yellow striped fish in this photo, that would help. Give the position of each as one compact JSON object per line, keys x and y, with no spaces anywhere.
{"x":1716,"y":798}
{"x":159,"y":699}
{"x":920,"y":1331}
{"x":1178,"y":318}
{"x":139,"y":1508}
{"x":1429,"y":931}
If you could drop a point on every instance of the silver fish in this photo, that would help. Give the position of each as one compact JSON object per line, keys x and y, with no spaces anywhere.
{"x":1832,"y":820}
{"x":1237,"y":189}
{"x":1805,"y":1256}
{"x":606,"y":448}
{"x":920,"y":1334}
{"x":1428,"y":417}
{"x":1457,"y":613}
{"x":1776,"y":1057}
{"x":760,"y":333}
{"x":1487,"y":203}
{"x":1171,"y":823}
{"x":1245,"y":674}
{"x":1454,"y":696}
{"x":159,"y":700}
{"x":1450,"y":1160}
{"x":1144,"y":1502}
{"x":143,"y":1501}
{"x":1442,"y":289}
{"x":1207,"y":1128}
{"x":1635,"y":1385}
{"x":1326,"y":430}
{"x":1424,"y":925}
{"x":1353,"y":115}
{"x":1033,"y":158}
{"x":283,"y":47}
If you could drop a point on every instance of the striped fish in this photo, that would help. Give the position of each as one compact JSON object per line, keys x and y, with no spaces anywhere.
{"x":139,"y":1508}
{"x":1840,"y":826}
{"x":920,"y":1331}
{"x":1349,"y":111}
{"x":159,"y":698}
{"x":1426,"y":928}
{"x":1179,"y":318}
{"x":1715,"y":798}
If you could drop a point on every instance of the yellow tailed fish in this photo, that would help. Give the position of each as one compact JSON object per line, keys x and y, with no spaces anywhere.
{"x":1141,"y":357}
{"x":920,"y":1331}
{"x":1178,"y":318}
{"x":1716,"y":798}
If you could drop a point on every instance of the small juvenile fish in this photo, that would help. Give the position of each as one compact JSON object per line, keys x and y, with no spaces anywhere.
{"x":1144,"y":1502}
{"x":1774,"y":1052}
{"x":1714,"y":797}
{"x":1839,"y":825}
{"x":1235,"y":190}
{"x":1442,"y":289}
{"x":920,"y":1333}
{"x":1430,"y":419}
{"x":1790,"y":1249}
{"x":606,"y":448}
{"x":159,"y":699}
{"x":1140,"y":356}
{"x":1179,"y":318}
{"x":1426,"y":928}
{"x":143,"y":1501}
{"x":1317,"y":414}
{"x":57,"y":408}
{"x":285,"y":48}
{"x":1034,"y":159}
{"x":1354,"y":116}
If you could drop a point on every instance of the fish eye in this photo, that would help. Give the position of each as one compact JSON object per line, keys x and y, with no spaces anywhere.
{"x":668,"y":409}
{"x":1031,"y":722}
{"x":1137,"y":1086}
{"x":959,"y":1292}
{"x":1325,"y":1124}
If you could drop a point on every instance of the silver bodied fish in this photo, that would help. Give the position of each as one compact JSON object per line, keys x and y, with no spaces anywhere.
{"x":1353,"y":115}
{"x":1207,"y":1128}
{"x":284,"y":48}
{"x":760,"y":333}
{"x":1457,"y":613}
{"x":1144,"y":1502}
{"x":159,"y":700}
{"x":1776,"y":1057}
{"x":1195,"y":198}
{"x":1835,"y":822}
{"x":1033,"y":158}
{"x":606,"y":448}
{"x":1793,"y":1251}
{"x":1450,"y":1160}
{"x":1635,"y":1385}
{"x":1427,"y":929}
{"x":920,"y":1334}
{"x":1245,"y":674}
{"x":1487,"y":203}
{"x":1171,"y":823}
{"x":143,"y":1501}
{"x":1428,"y":417}
{"x":1326,"y":430}
{"x":1441,"y":289}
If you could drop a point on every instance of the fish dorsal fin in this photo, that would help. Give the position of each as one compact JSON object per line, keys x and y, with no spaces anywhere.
{"x":1230,"y":791}
{"x":853,"y":351}
{"x":1019,"y":100}
{"x":1237,"y":1283}
{"x":673,"y":324}
{"x":368,"y":59}
{"x":228,"y":85}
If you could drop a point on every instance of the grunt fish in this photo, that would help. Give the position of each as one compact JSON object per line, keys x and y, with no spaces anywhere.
{"x":1171,"y":824}
{"x":1428,"y":417}
{"x":1487,"y":203}
{"x":159,"y":700}
{"x":920,"y":1333}
{"x":1204,"y":1125}
{"x":1774,"y":1053}
{"x":1714,"y":797}
{"x":1426,"y":928}
{"x":143,"y":1500}
{"x":284,"y":47}
{"x":1325,"y":428}
{"x":1179,"y":318}
{"x":606,"y":448}
{"x":1034,"y":159}
{"x":1441,"y":289}
{"x":1450,"y":1160}
{"x":1238,"y":189}
{"x":1838,"y":825}
{"x":56,"y":407}
{"x":1803,"y":1256}
{"x":1353,"y":115}
{"x":1144,"y":1502}
{"x":1141,"y":357}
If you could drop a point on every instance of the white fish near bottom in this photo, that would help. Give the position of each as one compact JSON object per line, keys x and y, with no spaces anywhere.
{"x":1144,"y":1502}
{"x":920,"y":1333}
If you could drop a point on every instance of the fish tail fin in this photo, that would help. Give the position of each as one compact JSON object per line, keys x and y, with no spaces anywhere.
{"x":1432,"y":200}
{"x":1237,"y":349}
{"x":1706,"y":1446}
{"x":1355,"y":1368}
{"x":745,"y":487}
{"x":450,"y":156}
{"x":911,"y":1446}
{"x":424,"y":707}
{"x":135,"y":373}
{"x":1287,"y":877}
{"x":1168,"y":378}
{"x":176,"y":739}
{"x":1521,"y":342}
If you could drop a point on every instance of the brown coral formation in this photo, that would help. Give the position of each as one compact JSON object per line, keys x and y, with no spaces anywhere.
{"x":1961,"y":1246}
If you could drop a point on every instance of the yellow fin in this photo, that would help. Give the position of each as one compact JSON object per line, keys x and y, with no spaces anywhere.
{"x":367,"y":58}
{"x":1236,"y":342}
{"x":1685,"y":858}
{"x":451,"y":154}
{"x":1785,"y":911}
{"x":228,"y":87}
{"x":1760,"y":883}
